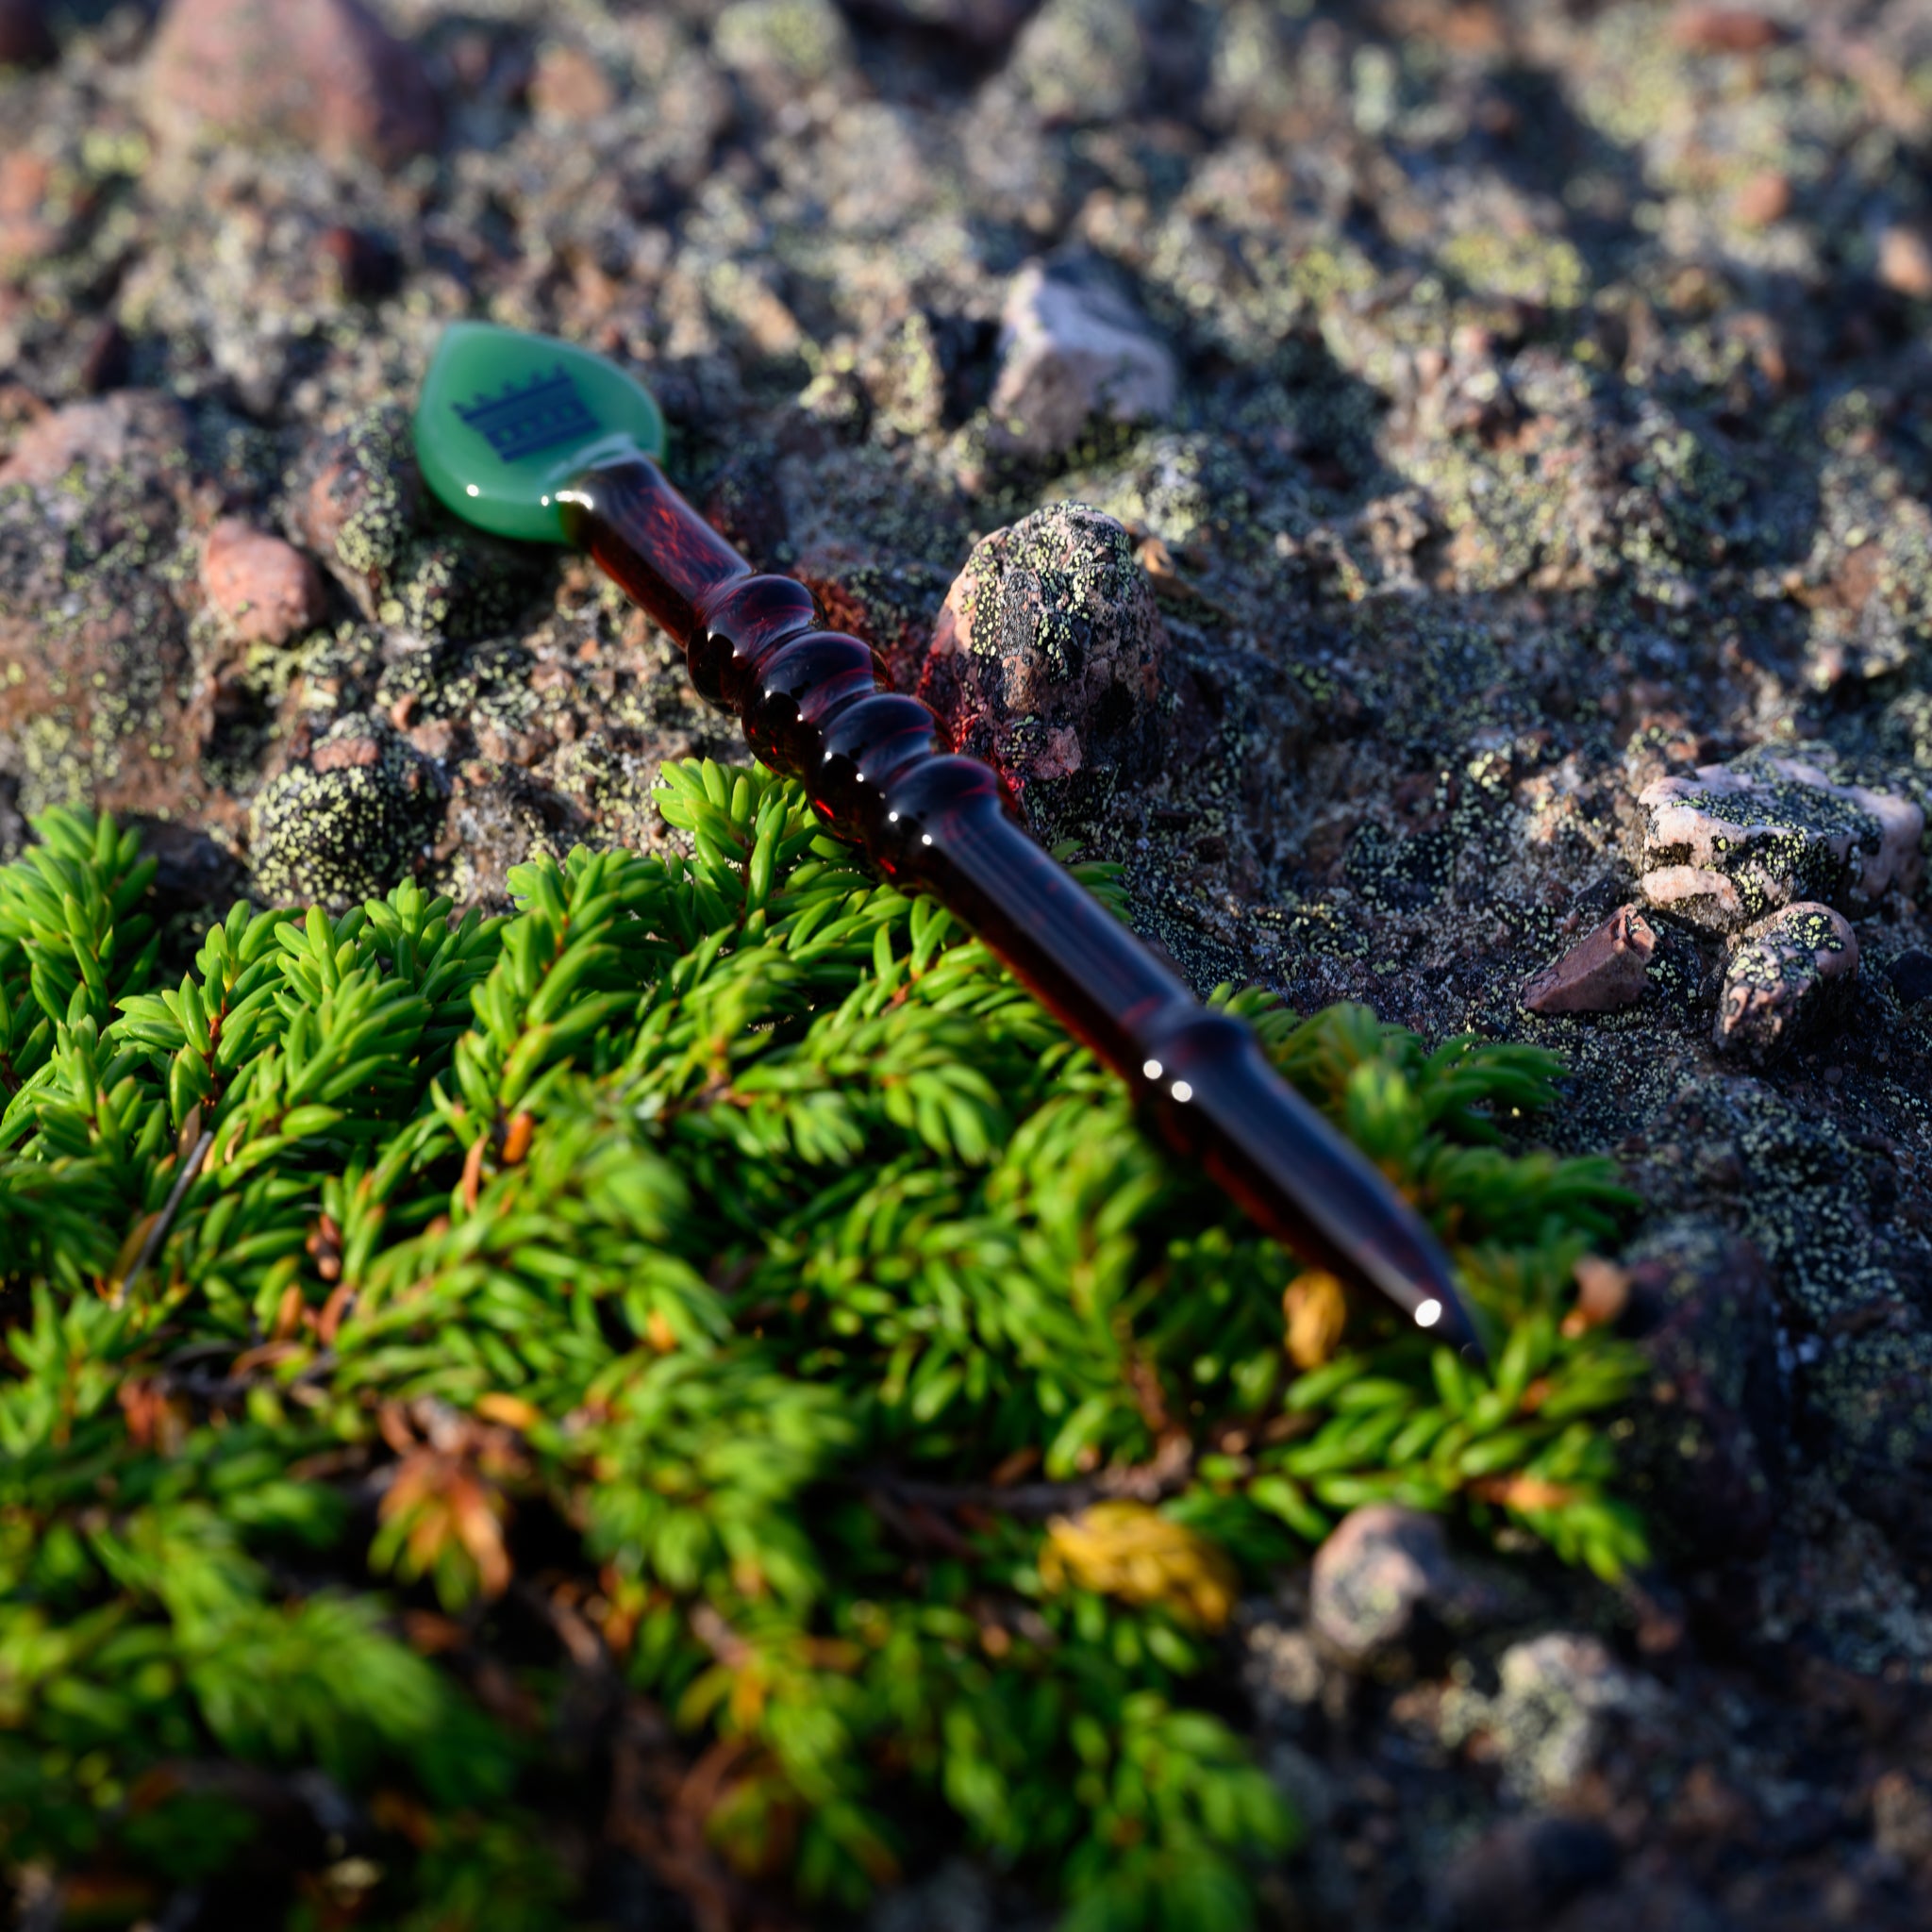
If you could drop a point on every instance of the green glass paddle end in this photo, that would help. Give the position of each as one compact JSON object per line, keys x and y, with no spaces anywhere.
{"x":505,"y":419}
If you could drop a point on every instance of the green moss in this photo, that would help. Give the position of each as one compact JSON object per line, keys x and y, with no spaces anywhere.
{"x":692,"y":1250}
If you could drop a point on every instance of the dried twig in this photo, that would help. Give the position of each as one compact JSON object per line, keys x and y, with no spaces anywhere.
{"x":165,"y":1218}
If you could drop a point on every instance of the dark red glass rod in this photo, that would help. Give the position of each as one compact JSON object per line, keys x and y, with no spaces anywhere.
{"x":815,"y":705}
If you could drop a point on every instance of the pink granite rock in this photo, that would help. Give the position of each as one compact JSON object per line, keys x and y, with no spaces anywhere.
{"x":96,"y":433}
{"x":1735,"y":842}
{"x":1790,"y":975}
{"x":1601,"y":973}
{"x":264,"y":589}
{"x":325,"y":73}
{"x":1046,"y":659}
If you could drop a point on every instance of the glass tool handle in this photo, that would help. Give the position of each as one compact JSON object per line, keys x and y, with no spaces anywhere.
{"x":815,"y":705}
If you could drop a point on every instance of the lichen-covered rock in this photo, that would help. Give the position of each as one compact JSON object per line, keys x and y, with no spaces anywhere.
{"x":1604,"y":971}
{"x":325,"y":73}
{"x":1046,"y":658}
{"x":356,"y":498}
{"x":1072,"y":350}
{"x":96,"y":673}
{"x":1735,"y":842}
{"x":263,"y":589}
{"x":1561,"y":1702}
{"x":1081,"y":60}
{"x":785,"y":42}
{"x":1790,"y":975}
{"x":346,"y":819}
{"x":358,"y":503}
{"x":1384,"y":1578}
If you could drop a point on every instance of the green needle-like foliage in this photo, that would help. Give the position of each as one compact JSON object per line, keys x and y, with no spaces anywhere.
{"x":716,"y":1290}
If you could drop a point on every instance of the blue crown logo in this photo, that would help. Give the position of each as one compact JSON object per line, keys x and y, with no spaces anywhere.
{"x":528,"y":417}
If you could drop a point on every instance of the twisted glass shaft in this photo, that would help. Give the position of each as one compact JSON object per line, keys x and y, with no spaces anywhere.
{"x":815,"y":706}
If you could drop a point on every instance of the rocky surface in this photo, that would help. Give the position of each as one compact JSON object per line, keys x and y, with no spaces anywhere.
{"x":1549,"y":432}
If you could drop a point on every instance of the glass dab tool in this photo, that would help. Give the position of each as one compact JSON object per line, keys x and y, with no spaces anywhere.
{"x":531,"y":438}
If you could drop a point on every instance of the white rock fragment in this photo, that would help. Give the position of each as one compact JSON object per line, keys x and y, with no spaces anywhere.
{"x":1072,"y":350}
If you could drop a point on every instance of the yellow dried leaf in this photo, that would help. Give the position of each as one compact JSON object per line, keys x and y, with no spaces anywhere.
{"x":1130,"y":1551}
{"x":512,"y":1412}
{"x":1315,"y":1308}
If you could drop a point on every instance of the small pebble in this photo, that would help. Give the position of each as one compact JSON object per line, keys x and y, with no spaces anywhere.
{"x":1905,"y":263}
{"x":1725,"y":31}
{"x":322,"y":74}
{"x":1735,"y":842}
{"x":1383,"y":1574}
{"x":1072,"y":350}
{"x":1603,"y":1293}
{"x":1902,"y":1817}
{"x":264,"y":589}
{"x":570,"y":86}
{"x":1559,"y":1701}
{"x":96,"y":433}
{"x":1789,"y":974}
{"x":1602,"y":971}
{"x":1763,"y":199}
{"x":25,"y":232}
